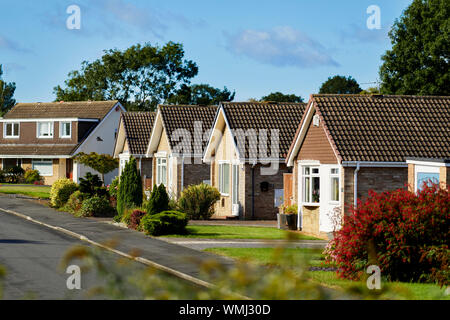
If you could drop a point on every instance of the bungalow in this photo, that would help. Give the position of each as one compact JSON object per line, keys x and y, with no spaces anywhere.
{"x":45,"y":136}
{"x":177,"y":141}
{"x":132,"y":140}
{"x":347,"y":145}
{"x":247,"y":150}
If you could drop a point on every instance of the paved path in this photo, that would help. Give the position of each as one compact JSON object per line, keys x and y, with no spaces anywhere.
{"x":179,"y":258}
{"x":201,"y":244}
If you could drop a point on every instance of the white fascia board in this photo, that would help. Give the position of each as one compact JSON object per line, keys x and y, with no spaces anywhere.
{"x":207,"y":155}
{"x":373,"y":164}
{"x":34,"y":157}
{"x":99,"y":125}
{"x":48,"y":120}
{"x":301,"y":134}
{"x":428,"y":163}
{"x":155,"y":137}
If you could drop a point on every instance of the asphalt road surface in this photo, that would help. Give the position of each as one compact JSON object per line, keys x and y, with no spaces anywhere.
{"x":31,"y":255}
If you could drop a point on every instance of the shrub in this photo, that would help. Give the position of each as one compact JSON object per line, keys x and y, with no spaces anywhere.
{"x":130,"y":194}
{"x":405,"y":234}
{"x":61,"y":191}
{"x":13,"y":174}
{"x":167,"y":222}
{"x":292,"y":209}
{"x":198,"y":201}
{"x":135,"y":219}
{"x":96,"y":207}
{"x":159,"y":201}
{"x":92,"y":184}
{"x":114,"y":187}
{"x":75,"y":201}
{"x":32,"y":176}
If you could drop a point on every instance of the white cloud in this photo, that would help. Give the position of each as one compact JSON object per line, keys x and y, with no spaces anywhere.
{"x":11,"y":45}
{"x":281,"y":46}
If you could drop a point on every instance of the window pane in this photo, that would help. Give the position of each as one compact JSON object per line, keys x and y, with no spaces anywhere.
{"x":16,"y":129}
{"x":307,"y":190}
{"x":316,"y":190}
{"x":334,"y":171}
{"x":226,"y":178}
{"x":315,"y":170}
{"x":45,"y":167}
{"x":9,"y":129}
{"x":334,"y":189}
{"x":306,"y":172}
{"x":428,"y":178}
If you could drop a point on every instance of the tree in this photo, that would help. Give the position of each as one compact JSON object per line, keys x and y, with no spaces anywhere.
{"x":280,"y":97}
{"x":371,"y":90}
{"x":130,"y":194}
{"x":340,"y":85}
{"x":102,"y":163}
{"x":418,"y":63}
{"x":6,"y":94}
{"x":201,"y":94}
{"x":159,"y":200}
{"x":140,"y":77}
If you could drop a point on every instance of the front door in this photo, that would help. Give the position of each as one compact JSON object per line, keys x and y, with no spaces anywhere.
{"x":235,"y":190}
{"x":69,"y":169}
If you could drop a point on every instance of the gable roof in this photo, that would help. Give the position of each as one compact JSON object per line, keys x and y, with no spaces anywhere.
{"x":178,"y":118}
{"x":284,"y":117}
{"x":49,"y":110}
{"x":377,"y":128}
{"x":138,"y":128}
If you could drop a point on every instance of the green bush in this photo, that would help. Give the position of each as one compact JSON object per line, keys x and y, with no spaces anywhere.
{"x":75,"y":201}
{"x":13,"y":175}
{"x":158,"y":202}
{"x":96,"y":207}
{"x":292,"y":209}
{"x":92,"y":184}
{"x":167,"y":222}
{"x":130,"y":194}
{"x":32,"y":176}
{"x":113,"y":188}
{"x":198,"y":201}
{"x":61,"y":191}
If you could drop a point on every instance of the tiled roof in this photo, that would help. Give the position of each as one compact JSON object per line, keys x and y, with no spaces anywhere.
{"x":79,"y":109}
{"x":37,"y":150}
{"x":386,"y":128}
{"x":284,"y":117}
{"x":138,"y":129}
{"x":179,"y":118}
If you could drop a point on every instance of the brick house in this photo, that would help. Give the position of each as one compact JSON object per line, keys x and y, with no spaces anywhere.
{"x":247,"y":150}
{"x":132,"y":140}
{"x":45,"y":136}
{"x":177,"y":141}
{"x":347,"y":145}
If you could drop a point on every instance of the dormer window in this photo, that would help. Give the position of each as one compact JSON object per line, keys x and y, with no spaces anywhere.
{"x":65,"y":129}
{"x":45,"y":130}
{"x":11,"y":130}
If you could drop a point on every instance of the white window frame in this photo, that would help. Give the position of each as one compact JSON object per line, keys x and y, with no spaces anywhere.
{"x":51,"y":130}
{"x":223,"y":192}
{"x":42,"y":161}
{"x":62,"y":131}
{"x":311,"y":177}
{"x":161,"y":163}
{"x":334,"y":176}
{"x":12,"y":130}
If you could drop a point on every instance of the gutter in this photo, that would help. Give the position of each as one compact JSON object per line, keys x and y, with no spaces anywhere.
{"x":355,"y":185}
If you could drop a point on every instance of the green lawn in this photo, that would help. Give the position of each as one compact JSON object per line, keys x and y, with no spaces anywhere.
{"x":31,"y":191}
{"x":413,"y":291}
{"x":237,"y":232}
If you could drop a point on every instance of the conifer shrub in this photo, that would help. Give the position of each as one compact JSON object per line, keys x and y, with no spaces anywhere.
{"x":159,"y":200}
{"x":130,"y":194}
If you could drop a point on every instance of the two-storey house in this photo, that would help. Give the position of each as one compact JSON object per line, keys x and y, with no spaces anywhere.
{"x":45,"y":136}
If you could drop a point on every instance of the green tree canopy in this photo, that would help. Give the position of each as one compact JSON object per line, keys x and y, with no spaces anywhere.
{"x":102,"y":163}
{"x":6,"y":94}
{"x":201,"y":94}
{"x":418,"y":63}
{"x":281,"y":97}
{"x":139,"y":77}
{"x":340,"y":85}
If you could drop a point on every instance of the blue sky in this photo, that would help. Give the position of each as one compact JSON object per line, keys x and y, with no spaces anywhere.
{"x":252,"y":47}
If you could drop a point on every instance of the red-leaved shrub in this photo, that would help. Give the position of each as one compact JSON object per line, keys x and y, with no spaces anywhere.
{"x":135,"y":219}
{"x":406,"y":234}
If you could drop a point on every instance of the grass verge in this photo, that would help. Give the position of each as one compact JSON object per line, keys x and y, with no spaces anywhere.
{"x":237,"y":232}
{"x":31,"y":191}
